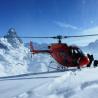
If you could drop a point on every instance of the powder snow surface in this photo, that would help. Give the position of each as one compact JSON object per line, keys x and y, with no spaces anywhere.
{"x":79,"y":84}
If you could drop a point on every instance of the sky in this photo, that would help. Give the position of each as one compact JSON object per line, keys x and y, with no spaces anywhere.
{"x":50,"y":18}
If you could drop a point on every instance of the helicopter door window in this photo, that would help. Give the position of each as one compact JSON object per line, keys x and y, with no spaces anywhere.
{"x":75,"y":51}
{"x":72,"y":51}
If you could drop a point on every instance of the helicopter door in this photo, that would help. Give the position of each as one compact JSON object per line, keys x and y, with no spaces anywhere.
{"x":63,"y":56}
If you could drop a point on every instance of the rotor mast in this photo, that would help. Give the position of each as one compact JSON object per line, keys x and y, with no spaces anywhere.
{"x":59,"y":37}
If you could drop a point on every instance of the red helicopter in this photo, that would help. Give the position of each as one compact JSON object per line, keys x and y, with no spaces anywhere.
{"x":64,"y":55}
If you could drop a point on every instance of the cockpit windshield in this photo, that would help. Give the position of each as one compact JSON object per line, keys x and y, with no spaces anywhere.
{"x":79,"y":51}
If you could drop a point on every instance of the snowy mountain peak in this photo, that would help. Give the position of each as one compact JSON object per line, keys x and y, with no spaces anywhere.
{"x":12,"y":32}
{"x":13,"y":38}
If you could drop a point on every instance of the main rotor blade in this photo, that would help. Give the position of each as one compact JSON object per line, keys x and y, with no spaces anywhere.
{"x":55,"y":37}
{"x":81,"y":36}
{"x":25,"y":37}
{"x":35,"y":37}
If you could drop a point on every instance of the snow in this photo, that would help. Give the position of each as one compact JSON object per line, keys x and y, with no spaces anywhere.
{"x":77,"y":84}
{"x":18,"y":60}
{"x":13,"y":60}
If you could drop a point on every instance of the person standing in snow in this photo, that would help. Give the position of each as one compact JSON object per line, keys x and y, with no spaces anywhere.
{"x":95,"y":63}
{"x":91,"y":58}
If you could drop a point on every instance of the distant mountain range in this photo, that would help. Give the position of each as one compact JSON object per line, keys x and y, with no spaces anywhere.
{"x":91,"y":48}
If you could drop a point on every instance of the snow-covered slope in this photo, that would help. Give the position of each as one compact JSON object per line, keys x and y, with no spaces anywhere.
{"x":78,"y":84}
{"x":16,"y":59}
{"x":13,"y":60}
{"x":92,"y":48}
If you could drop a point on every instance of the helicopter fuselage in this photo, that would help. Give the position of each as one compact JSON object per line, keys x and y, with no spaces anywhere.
{"x":68,"y":56}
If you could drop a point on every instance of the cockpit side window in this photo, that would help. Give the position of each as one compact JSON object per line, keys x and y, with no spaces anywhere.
{"x":76,"y":51}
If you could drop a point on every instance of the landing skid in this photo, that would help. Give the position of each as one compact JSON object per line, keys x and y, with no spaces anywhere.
{"x":62,"y":70}
{"x":57,"y":69}
{"x":53,"y":66}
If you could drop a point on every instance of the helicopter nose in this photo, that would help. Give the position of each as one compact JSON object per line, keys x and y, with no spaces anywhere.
{"x":84,"y":61}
